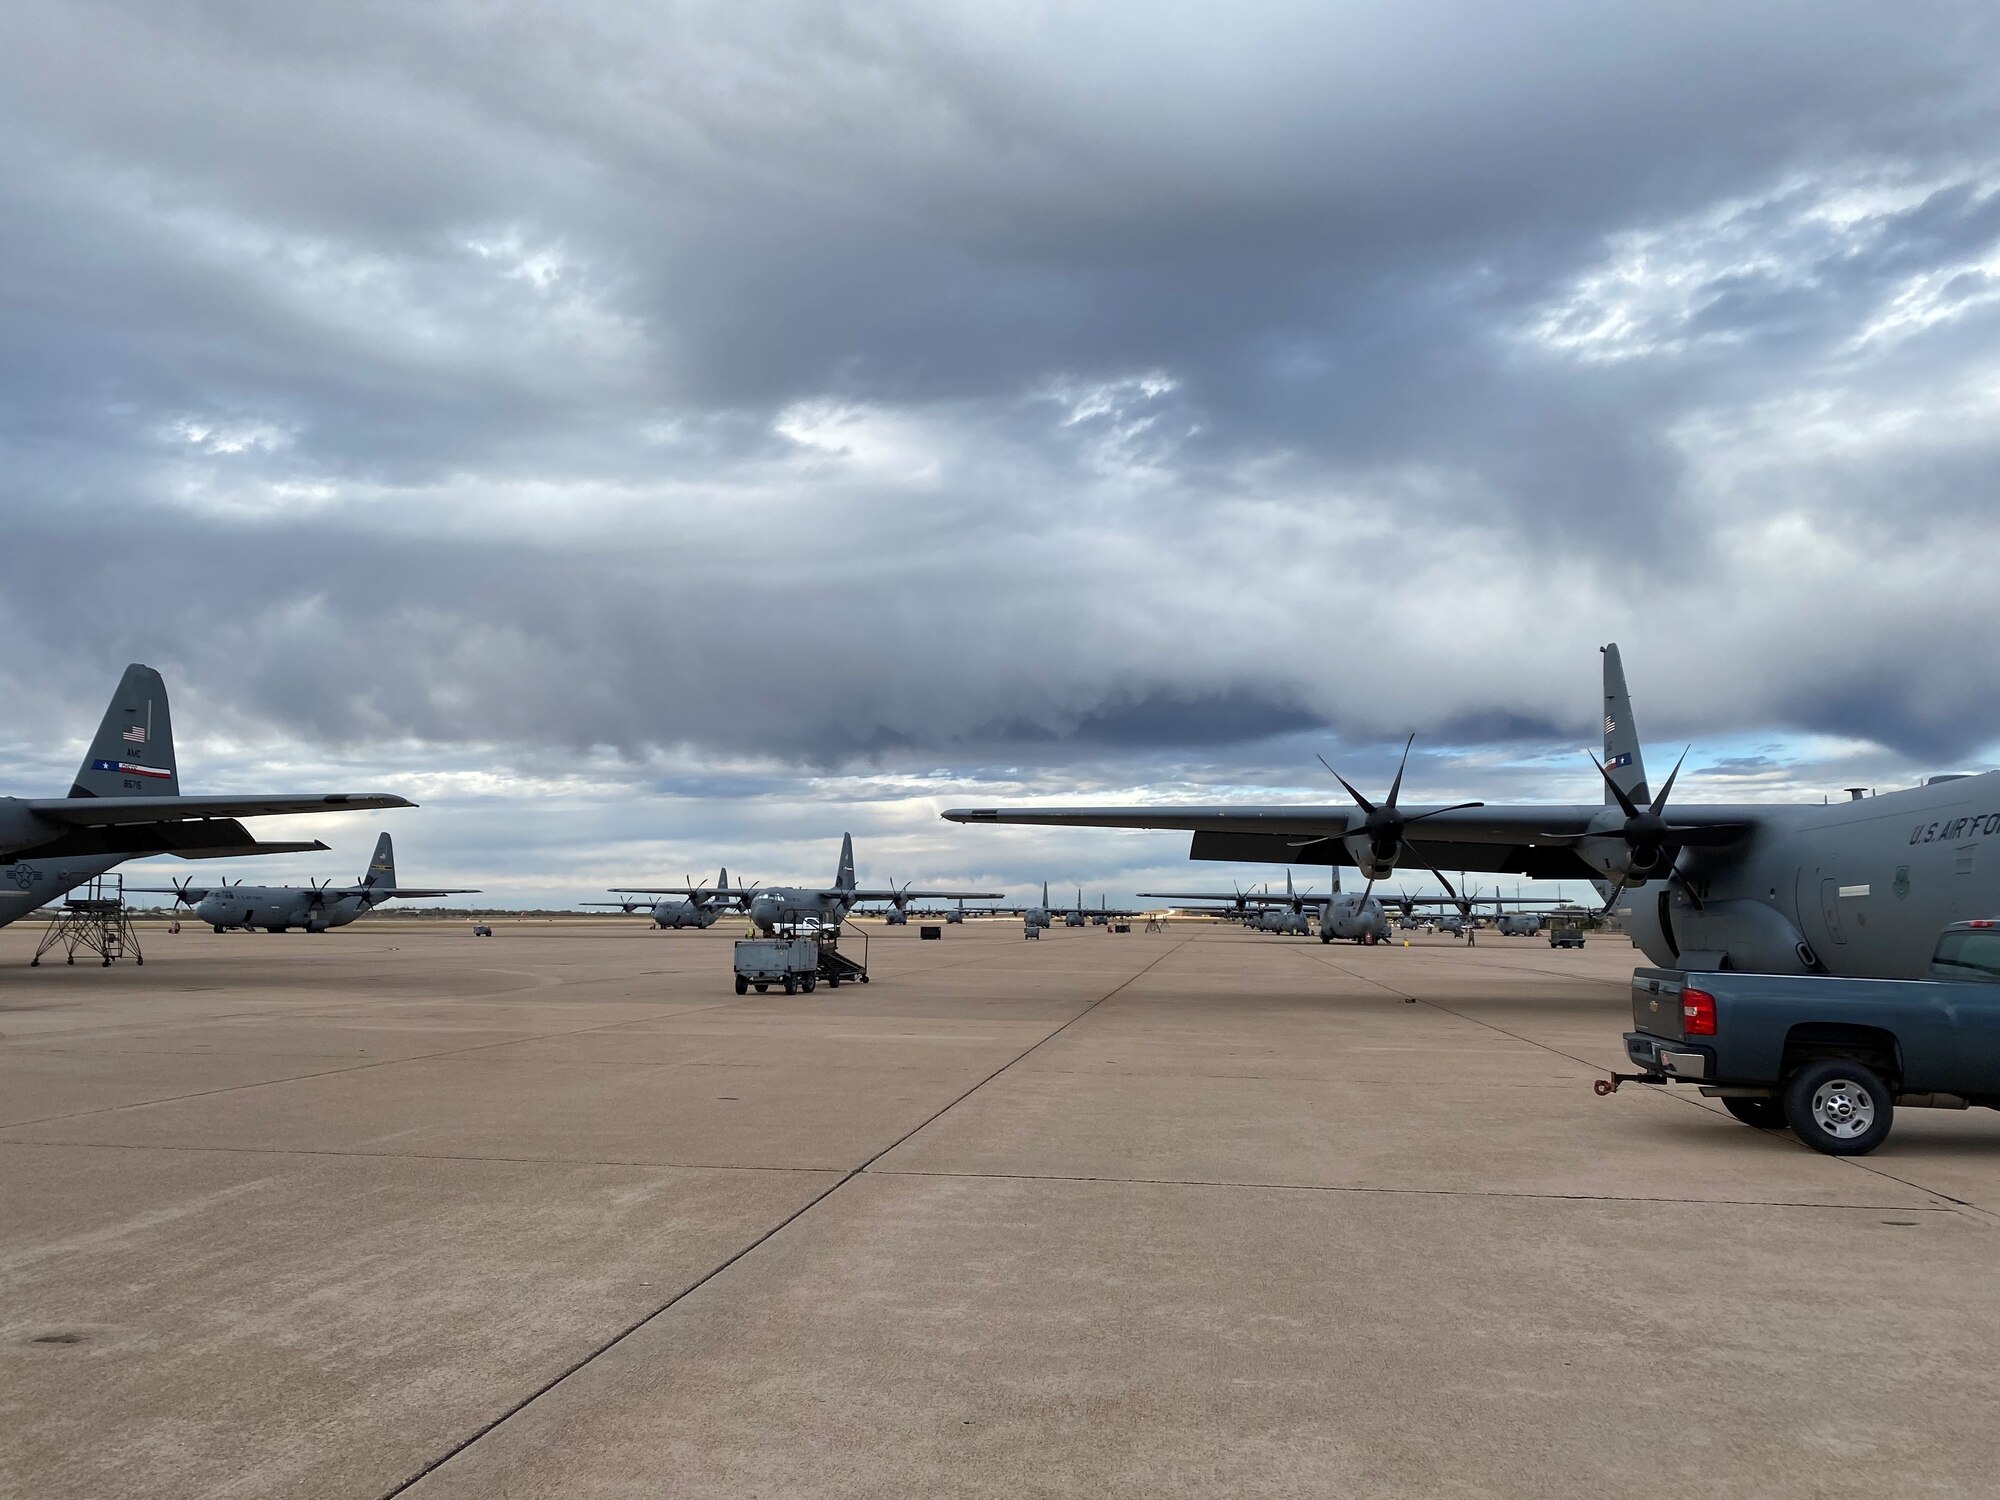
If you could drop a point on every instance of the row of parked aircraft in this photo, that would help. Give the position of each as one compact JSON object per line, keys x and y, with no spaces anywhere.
{"x":1857,"y":888}
{"x":772,"y":907}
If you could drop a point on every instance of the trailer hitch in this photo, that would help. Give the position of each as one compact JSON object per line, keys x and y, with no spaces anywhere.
{"x":1604,"y":1086}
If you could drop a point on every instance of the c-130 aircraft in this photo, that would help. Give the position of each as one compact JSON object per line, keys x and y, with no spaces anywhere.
{"x":773,"y":907}
{"x":1856,"y":888}
{"x":699,"y":908}
{"x":126,"y":803}
{"x":310,"y":908}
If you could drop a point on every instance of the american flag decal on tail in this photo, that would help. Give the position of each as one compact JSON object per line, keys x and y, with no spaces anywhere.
{"x":1610,"y":724}
{"x":136,"y":735}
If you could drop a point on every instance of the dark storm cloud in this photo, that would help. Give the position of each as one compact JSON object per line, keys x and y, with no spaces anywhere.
{"x":909,"y":385}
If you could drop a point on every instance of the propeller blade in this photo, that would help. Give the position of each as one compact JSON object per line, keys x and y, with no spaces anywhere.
{"x":1459,"y":901}
{"x":1396,"y":786}
{"x":1361,"y":801}
{"x":1612,"y":900}
{"x":1660,"y":801}
{"x":1625,"y":803}
{"x":1455,"y":807}
{"x":1687,"y":889}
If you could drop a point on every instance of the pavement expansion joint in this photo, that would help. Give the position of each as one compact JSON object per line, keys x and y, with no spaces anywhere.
{"x":790,"y":1219}
{"x":1420,"y":1192}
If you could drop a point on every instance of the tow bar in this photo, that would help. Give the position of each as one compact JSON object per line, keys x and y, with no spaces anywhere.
{"x":1604,"y":1086}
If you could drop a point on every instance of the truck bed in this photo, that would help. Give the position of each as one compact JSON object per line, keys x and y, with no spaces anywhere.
{"x":1926,"y":1035}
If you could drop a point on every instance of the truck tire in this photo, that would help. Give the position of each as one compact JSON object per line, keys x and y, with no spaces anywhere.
{"x":762,"y":988}
{"x":791,"y":985}
{"x":807,"y":984}
{"x":1765,"y":1114}
{"x":742,"y":985}
{"x":1839,"y":1107}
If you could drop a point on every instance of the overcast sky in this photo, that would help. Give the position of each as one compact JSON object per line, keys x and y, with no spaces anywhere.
{"x":659,"y":435}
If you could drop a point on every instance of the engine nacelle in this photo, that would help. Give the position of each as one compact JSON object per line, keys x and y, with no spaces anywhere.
{"x":1615,"y":859}
{"x":1368,"y":859}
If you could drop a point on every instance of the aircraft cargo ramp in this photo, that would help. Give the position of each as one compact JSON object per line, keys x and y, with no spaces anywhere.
{"x":402,"y":1211}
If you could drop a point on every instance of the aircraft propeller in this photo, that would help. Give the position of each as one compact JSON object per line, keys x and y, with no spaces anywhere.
{"x":1385,"y":825}
{"x":1649,"y":836}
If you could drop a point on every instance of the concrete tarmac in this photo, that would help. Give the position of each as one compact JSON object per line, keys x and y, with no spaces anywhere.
{"x":395,"y":1210}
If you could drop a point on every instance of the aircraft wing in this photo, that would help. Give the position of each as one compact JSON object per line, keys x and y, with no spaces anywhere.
{"x":1232,"y":898}
{"x":1528,"y":839}
{"x":114,"y":812}
{"x":858,"y":897}
{"x":708,"y":893}
{"x":249,"y":846}
{"x":410,"y":892}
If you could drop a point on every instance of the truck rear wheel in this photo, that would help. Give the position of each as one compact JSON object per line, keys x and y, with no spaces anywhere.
{"x":1765,"y":1114}
{"x":762,"y":988}
{"x":742,"y":985}
{"x":791,"y":985}
{"x":1839,"y":1107}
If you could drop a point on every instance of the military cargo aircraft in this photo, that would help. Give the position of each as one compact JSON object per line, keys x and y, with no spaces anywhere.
{"x":126,"y":804}
{"x":1856,"y":888}
{"x":772,"y":907}
{"x":1289,"y":915}
{"x":699,"y":907}
{"x":1351,"y":916}
{"x":310,"y":908}
{"x":1079,"y":915}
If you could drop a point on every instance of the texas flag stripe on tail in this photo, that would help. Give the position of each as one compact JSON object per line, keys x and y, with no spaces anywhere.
{"x":126,"y":768}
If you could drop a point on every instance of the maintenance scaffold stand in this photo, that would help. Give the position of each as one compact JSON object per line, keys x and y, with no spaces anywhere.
{"x":98,"y":921}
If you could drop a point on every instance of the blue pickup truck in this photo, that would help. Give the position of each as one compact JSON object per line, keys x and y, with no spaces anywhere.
{"x":1831,"y":1058}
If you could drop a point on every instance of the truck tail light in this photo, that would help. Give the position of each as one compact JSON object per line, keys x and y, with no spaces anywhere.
{"x":1697,"y":1013}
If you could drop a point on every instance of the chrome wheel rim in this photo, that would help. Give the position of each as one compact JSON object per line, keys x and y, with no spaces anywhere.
{"x":1843,"y":1108}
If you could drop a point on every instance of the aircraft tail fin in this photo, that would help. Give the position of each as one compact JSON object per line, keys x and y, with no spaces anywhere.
{"x":133,"y":753}
{"x":843,"y":878}
{"x":382,"y":868}
{"x":1621,"y":733}
{"x":1045,"y":895}
{"x":722,"y":880}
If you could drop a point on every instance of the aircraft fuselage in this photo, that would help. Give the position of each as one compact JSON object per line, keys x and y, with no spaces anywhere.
{"x":685,"y":913}
{"x":277,"y":908}
{"x":1353,"y":918}
{"x":1858,"y":888}
{"x":28,"y":883}
{"x":776,"y":906}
